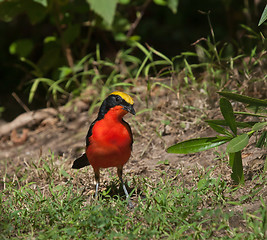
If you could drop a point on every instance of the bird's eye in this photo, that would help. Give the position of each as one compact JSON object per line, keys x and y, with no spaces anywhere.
{"x":117,"y":99}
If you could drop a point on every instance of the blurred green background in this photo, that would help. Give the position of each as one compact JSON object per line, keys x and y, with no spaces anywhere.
{"x":47,"y":40}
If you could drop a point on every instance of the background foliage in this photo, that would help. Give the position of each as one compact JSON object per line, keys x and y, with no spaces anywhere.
{"x":47,"y":40}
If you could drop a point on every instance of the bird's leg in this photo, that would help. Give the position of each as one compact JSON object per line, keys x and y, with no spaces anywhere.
{"x":97,"y":179}
{"x":119,"y":171}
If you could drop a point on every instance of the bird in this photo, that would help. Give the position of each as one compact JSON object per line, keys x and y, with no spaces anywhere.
{"x":109,"y":139}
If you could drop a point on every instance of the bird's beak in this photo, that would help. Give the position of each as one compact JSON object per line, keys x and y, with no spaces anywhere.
{"x":129,"y":109}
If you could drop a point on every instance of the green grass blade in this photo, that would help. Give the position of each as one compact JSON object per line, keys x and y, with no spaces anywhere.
{"x":153,"y":64}
{"x":164,"y":86}
{"x":161,"y":55}
{"x":196,"y":145}
{"x":35,"y":85}
{"x":144,"y":50}
{"x":244,"y":99}
{"x":237,"y":143}
{"x":262,"y":142}
{"x":142,"y":66}
{"x":228,"y":114}
{"x":250,"y":114}
{"x":33,"y":89}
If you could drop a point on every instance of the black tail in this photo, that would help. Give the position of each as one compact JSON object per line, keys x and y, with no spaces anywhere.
{"x":81,"y":162}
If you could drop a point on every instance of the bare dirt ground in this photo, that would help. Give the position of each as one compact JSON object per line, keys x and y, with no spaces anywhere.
{"x":165,"y":119}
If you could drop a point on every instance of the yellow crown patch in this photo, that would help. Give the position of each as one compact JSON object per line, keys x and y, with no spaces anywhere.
{"x":124,"y":96}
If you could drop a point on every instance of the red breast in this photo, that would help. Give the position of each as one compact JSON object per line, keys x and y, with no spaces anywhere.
{"x":111,"y":140}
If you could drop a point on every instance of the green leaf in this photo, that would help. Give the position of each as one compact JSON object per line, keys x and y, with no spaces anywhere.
{"x":160,"y":2}
{"x":104,"y":8}
{"x":64,"y":173}
{"x":262,"y":140}
{"x":35,"y":84}
{"x":196,"y":145}
{"x":71,"y":33}
{"x":237,"y":143}
{"x":259,"y":126}
{"x":161,"y":55}
{"x":250,"y":114}
{"x":228,"y":114}
{"x":238,"y":124}
{"x":21,"y":47}
{"x":8,"y":10}
{"x":35,"y":11}
{"x":173,"y":5}
{"x":42,"y":2}
{"x":237,"y":168}
{"x":164,"y":86}
{"x":263,"y":16}
{"x":231,"y":159}
{"x":244,"y":99}
{"x":219,"y":129}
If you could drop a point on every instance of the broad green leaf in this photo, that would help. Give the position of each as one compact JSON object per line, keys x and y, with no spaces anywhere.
{"x":238,"y":124}
{"x":196,"y":145}
{"x":231,"y":159}
{"x":237,"y":168}
{"x":8,"y":10}
{"x":237,"y":143}
{"x":35,"y":11}
{"x":51,"y":57}
{"x":71,"y":33}
{"x":244,"y":99}
{"x":104,"y":8}
{"x":259,"y":126}
{"x":21,"y":47}
{"x":42,"y":2}
{"x":219,"y":129}
{"x":263,"y":16}
{"x":228,"y":114}
{"x":173,"y":5}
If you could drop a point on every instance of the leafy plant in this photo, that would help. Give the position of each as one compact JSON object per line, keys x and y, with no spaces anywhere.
{"x":70,"y":30}
{"x":263,"y":16}
{"x":229,"y":131}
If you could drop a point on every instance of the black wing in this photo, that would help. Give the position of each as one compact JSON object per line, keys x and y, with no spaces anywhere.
{"x":83,"y":161}
{"x":89,"y":133}
{"x":130,"y":130}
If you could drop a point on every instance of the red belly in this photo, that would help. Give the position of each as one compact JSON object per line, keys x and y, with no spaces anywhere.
{"x":110,"y":145}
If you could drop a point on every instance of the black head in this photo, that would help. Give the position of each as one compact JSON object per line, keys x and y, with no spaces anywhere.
{"x":116,"y":99}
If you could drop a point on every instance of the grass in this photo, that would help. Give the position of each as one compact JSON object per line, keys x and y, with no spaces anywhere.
{"x":47,"y":201}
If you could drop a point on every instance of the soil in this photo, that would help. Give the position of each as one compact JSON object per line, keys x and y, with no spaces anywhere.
{"x":161,"y":121}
